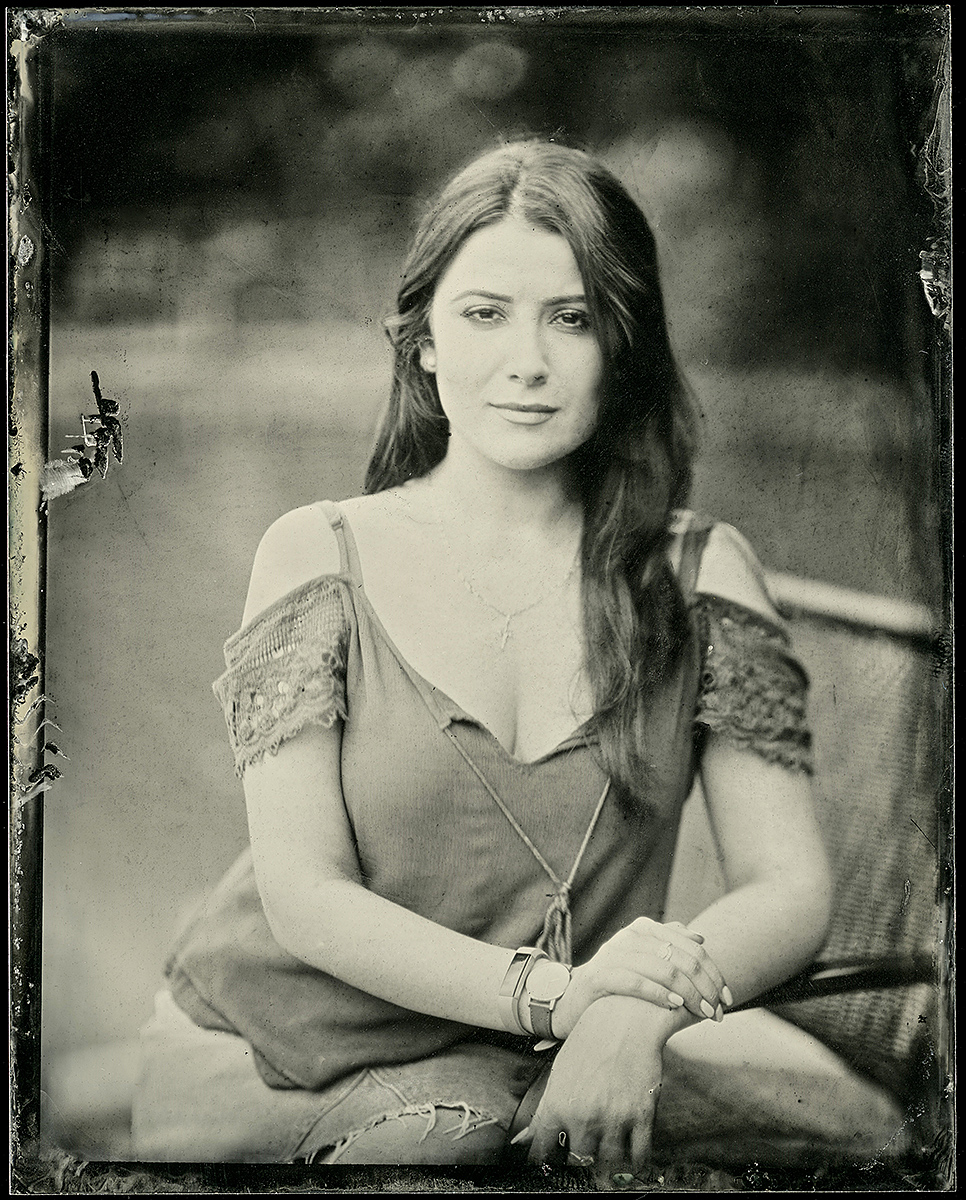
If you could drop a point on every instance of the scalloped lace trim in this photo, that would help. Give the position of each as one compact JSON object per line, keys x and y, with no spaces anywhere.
{"x":753,"y":691}
{"x":285,"y":671}
{"x":278,"y":704}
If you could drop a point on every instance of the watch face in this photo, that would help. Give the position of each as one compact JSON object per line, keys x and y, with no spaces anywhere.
{"x":548,"y":980}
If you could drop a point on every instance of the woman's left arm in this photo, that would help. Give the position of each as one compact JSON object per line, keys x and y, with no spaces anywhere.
{"x":774,"y":916}
{"x":776,"y":911}
{"x":769,"y":924}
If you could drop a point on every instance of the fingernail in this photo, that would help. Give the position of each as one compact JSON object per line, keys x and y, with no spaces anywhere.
{"x":727,"y":996}
{"x":707,"y":1009}
{"x":674,"y":999}
{"x":719,"y":1014}
{"x":520,"y":1136}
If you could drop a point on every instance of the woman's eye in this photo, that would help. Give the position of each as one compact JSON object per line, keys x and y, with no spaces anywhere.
{"x":485,"y":316}
{"x":573,"y":318}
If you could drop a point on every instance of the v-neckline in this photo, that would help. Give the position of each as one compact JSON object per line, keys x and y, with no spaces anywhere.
{"x":443,"y":706}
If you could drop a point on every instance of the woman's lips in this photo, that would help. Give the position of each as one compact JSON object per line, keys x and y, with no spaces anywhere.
{"x":525,"y":414}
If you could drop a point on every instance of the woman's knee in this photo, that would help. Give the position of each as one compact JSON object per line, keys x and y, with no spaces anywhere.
{"x":429,"y":1135}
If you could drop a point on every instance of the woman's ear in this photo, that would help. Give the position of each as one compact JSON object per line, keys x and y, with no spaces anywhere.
{"x":427,"y":355}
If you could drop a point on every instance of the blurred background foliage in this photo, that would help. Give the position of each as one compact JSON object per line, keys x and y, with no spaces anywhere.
{"x":230,"y":198}
{"x":245,"y":159}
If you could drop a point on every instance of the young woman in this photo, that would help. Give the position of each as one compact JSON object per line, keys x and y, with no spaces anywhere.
{"x":467,"y":708}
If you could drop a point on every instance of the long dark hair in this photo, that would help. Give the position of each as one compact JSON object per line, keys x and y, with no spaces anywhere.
{"x":636,"y":466}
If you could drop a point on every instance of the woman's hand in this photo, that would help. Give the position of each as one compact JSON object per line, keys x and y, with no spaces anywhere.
{"x":599,"y":1104}
{"x":666,"y":965}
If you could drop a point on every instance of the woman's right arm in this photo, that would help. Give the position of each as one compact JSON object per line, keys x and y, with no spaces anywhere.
{"x":308,"y":872}
{"x":304,"y":854}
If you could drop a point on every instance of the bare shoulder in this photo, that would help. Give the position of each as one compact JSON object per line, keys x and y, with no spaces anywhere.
{"x":298,"y":547}
{"x":387,"y":525}
{"x":731,"y":569}
{"x":406,"y":501}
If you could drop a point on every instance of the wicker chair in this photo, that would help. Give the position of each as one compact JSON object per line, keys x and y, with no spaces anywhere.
{"x":854,"y":1068}
{"x":877,"y":722}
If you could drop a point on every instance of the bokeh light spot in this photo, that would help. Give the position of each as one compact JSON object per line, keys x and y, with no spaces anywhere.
{"x":363,"y":71}
{"x":489,"y":71}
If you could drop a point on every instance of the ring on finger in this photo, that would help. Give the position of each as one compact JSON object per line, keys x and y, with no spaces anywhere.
{"x":666,"y":951}
{"x":562,"y":1138}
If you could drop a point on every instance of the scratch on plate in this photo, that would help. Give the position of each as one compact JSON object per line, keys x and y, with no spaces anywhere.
{"x":919,"y":827}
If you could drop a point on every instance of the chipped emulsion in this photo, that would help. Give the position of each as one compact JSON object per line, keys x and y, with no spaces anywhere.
{"x":935,"y":267}
{"x":100,"y":432}
{"x":25,"y":251}
{"x":30,"y":775}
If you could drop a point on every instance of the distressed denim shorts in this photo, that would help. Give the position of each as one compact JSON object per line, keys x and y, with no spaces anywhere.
{"x":200,"y":1098}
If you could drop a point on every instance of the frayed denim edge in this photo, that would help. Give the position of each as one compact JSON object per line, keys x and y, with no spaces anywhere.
{"x":471,"y":1120}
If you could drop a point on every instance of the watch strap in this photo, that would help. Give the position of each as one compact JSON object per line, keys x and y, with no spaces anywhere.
{"x":541,"y":1012}
{"x":541,"y":1008}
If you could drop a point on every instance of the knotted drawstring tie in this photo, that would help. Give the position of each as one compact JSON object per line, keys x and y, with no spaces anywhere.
{"x":555,"y":941}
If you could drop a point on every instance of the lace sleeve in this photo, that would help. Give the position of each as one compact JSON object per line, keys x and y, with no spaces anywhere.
{"x":286,"y":670}
{"x":753,"y":690}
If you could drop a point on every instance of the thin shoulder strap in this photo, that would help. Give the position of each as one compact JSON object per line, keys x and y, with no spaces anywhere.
{"x":692,"y":548}
{"x":348,"y":554}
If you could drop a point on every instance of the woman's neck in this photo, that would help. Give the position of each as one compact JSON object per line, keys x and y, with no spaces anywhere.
{"x":495,"y":502}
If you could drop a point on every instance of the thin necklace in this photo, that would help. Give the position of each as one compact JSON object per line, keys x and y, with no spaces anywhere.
{"x":517,"y":612}
{"x":481,"y":599}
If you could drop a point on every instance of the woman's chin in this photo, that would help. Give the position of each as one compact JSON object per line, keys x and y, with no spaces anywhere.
{"x":545,"y":464}
{"x":539,"y":455}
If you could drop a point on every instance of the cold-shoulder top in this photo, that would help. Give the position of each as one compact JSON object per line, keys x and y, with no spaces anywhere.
{"x":418,"y":775}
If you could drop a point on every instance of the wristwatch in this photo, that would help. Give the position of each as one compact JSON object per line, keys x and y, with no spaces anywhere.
{"x":546,"y":983}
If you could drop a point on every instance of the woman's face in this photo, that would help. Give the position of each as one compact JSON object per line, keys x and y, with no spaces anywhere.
{"x":518,"y":370}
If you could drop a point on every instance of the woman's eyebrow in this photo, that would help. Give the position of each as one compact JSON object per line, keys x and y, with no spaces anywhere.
{"x":578,"y":298}
{"x":485,"y":295}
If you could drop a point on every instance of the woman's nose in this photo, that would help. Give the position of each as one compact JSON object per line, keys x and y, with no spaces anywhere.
{"x":527,"y":360}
